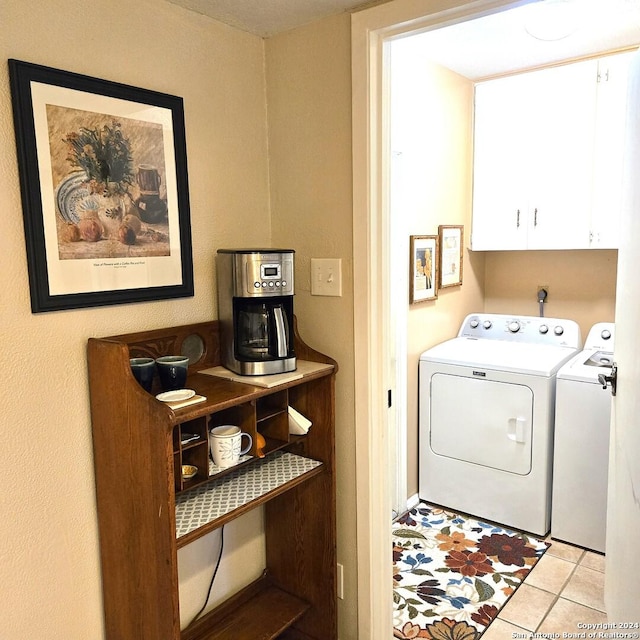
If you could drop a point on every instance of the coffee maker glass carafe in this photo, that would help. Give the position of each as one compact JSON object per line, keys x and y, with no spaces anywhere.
{"x":262,"y":331}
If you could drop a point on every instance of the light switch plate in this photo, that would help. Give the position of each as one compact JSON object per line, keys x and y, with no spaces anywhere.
{"x":326,"y":276}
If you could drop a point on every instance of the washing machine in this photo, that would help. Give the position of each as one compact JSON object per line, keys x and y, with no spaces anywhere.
{"x":486,"y":414}
{"x":581,"y":451}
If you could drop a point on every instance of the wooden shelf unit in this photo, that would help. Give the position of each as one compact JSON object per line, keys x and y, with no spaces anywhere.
{"x":144,"y":503}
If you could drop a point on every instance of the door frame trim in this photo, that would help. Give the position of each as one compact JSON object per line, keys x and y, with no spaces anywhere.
{"x":374,"y":345}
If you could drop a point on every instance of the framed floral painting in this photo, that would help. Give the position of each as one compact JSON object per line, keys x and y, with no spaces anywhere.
{"x":423,"y":269}
{"x":103,"y":178}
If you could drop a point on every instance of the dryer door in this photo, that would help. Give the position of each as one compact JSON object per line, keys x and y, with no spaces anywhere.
{"x":481,"y":421}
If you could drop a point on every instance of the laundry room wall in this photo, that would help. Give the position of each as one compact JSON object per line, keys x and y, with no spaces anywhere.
{"x":581,"y":284}
{"x":432,"y":173}
{"x":431,"y":130}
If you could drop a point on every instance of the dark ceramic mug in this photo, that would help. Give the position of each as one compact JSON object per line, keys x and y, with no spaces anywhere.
{"x":172,"y":371}
{"x":143,"y":370}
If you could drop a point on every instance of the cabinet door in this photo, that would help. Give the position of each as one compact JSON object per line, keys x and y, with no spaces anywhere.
{"x":500,"y":166}
{"x":562,"y":112}
{"x":611,"y":119}
{"x":533,"y":159}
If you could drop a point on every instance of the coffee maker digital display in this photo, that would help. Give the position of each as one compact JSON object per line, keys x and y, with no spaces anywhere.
{"x":270,"y":270}
{"x":255,"y":301}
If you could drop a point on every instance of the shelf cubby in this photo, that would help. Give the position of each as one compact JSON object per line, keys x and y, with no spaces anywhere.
{"x":192,"y":451}
{"x":261,"y":610}
{"x":211,"y":505}
{"x":272,"y":420}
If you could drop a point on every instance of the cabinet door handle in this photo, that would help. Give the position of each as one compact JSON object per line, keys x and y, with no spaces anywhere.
{"x":518,"y":219}
{"x":535,"y":217}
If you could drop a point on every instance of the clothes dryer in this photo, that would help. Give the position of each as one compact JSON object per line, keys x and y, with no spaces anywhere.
{"x":487,"y":400}
{"x":581,"y":452}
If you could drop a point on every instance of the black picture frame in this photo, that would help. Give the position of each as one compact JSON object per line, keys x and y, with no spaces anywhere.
{"x":75,"y":263}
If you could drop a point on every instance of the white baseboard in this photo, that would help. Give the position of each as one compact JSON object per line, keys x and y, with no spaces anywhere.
{"x":412,"y":501}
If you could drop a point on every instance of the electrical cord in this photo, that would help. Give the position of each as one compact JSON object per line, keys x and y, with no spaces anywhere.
{"x":213,"y":577}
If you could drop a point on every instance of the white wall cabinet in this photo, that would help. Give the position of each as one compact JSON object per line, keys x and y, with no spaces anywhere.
{"x":611,"y":121}
{"x":548,"y":148}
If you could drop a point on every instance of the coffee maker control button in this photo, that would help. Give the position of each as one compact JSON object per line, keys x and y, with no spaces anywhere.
{"x":256,"y":284}
{"x":264,"y":284}
{"x":271,"y":284}
{"x":277,"y":283}
{"x":284,"y":283}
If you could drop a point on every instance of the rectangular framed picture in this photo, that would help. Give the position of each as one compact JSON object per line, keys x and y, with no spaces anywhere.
{"x":423,"y":269}
{"x":105,"y":196}
{"x":451,"y":245}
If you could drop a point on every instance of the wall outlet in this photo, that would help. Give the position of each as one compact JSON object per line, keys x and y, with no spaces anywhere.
{"x":539,"y":289}
{"x":326,"y":277}
{"x":340,"y":586}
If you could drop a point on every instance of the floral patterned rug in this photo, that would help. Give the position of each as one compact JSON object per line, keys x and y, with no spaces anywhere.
{"x":452,"y":574}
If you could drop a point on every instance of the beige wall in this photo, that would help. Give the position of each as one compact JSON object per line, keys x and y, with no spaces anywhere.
{"x":309,"y":106}
{"x":582,"y":284}
{"x":431,"y":132}
{"x":50,"y":540}
{"x":49,"y":572}
{"x":292,"y":188}
{"x":432,"y":116}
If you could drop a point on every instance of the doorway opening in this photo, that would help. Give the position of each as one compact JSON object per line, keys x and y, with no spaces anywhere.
{"x":379,"y":243}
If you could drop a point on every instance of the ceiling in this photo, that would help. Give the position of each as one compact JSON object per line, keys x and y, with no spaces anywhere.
{"x":268,"y":17}
{"x":536,"y":34}
{"x":476,"y":49}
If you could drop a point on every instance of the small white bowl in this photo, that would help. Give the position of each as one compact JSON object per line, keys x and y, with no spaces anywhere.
{"x":189,"y":471}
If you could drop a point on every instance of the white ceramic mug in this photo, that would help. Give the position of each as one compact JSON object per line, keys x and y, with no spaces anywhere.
{"x":225,"y":444}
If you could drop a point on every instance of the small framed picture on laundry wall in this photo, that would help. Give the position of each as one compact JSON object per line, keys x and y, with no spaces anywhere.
{"x":451,"y":243}
{"x":423,"y":269}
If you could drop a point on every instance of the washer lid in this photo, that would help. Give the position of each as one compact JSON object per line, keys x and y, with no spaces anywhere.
{"x":500,"y":355}
{"x":587,"y":365}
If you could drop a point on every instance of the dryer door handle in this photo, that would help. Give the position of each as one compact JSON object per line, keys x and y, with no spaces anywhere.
{"x":516,"y":429}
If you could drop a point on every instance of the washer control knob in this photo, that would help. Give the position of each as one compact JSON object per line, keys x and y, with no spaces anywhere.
{"x":543,"y":329}
{"x":558,"y":330}
{"x":474,"y":323}
{"x":606,"y":334}
{"x":487,"y":324}
{"x":514,"y":326}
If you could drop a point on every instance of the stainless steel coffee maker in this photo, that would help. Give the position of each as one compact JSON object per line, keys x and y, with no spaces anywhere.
{"x":255,"y":302}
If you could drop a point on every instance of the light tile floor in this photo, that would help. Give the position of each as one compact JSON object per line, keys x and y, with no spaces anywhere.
{"x":565,"y":588}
